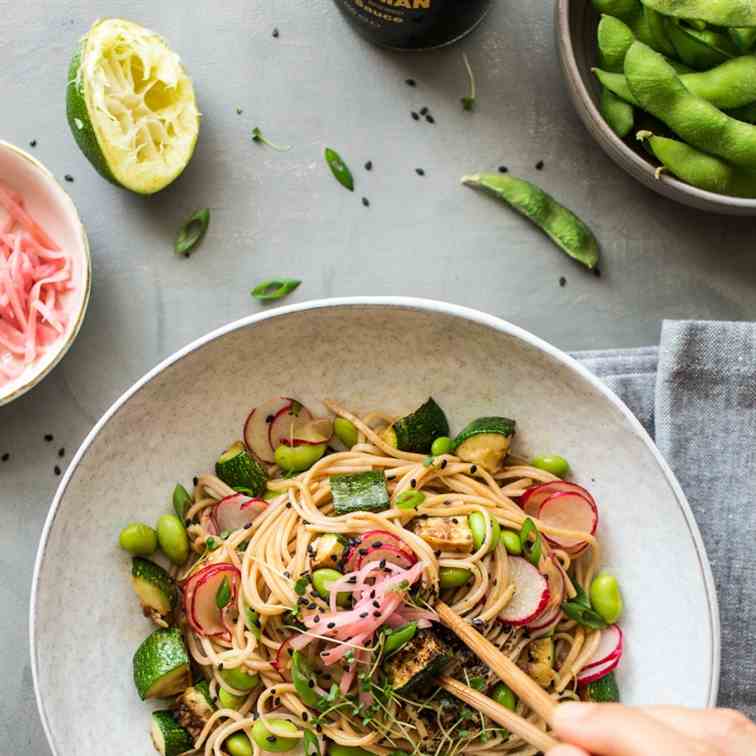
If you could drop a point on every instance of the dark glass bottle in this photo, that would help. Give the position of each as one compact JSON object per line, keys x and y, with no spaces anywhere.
{"x":413,"y":24}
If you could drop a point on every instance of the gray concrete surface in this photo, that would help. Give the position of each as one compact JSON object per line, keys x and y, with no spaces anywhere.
{"x":282,"y":214}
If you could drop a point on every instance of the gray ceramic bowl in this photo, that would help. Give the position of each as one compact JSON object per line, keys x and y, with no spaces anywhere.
{"x":575,"y":24}
{"x":390,"y":353}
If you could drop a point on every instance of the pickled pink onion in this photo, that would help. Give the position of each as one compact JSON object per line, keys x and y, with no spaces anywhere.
{"x":34,"y":275}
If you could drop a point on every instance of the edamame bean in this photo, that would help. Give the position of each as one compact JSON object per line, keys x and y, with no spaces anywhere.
{"x":442,"y":445}
{"x":240,"y":679}
{"x":564,"y":228}
{"x":293,"y":459}
{"x":173,"y":539}
{"x":264,"y":738}
{"x":552,"y":463}
{"x":717,"y":12}
{"x":477,"y":523}
{"x":606,"y":597}
{"x":658,"y":89}
{"x":227,"y":700}
{"x":503,"y":695}
{"x":511,"y":541}
{"x":334,"y":749}
{"x":138,"y":539}
{"x":453,"y":577}
{"x":345,"y":431}
{"x":699,"y":169}
{"x":238,"y":744}
{"x":322,"y":580}
{"x":397,"y":638}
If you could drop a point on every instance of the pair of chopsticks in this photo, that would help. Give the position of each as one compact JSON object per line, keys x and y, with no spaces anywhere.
{"x":527,"y":689}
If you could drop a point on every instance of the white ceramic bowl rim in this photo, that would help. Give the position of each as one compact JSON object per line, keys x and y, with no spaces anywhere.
{"x":619,"y":144}
{"x":412,"y":303}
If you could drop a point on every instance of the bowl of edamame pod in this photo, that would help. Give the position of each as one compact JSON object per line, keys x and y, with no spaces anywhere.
{"x":668,"y":90}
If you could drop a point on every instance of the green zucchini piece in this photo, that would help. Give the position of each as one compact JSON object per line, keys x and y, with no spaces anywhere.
{"x":161,"y":665}
{"x":604,"y":690}
{"x":237,"y":468}
{"x":169,"y":737}
{"x":194,"y":707}
{"x":155,"y":588}
{"x":485,"y":441}
{"x":415,"y":665}
{"x":417,"y":431}
{"x":203,"y":686}
{"x":359,"y":492}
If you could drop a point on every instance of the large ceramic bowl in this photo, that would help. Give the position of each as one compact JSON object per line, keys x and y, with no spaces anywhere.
{"x":45,"y":197}
{"x":368,"y":353}
{"x":576,"y":24}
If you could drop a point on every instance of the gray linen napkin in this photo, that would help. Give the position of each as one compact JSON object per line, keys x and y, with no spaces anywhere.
{"x":696,"y":394}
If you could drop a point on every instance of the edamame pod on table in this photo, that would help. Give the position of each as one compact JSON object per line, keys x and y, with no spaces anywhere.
{"x":700,"y":169}
{"x":659,"y":90}
{"x":717,"y":12}
{"x":564,"y":228}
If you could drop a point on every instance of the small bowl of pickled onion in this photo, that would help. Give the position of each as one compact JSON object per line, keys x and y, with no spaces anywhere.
{"x":45,"y":272}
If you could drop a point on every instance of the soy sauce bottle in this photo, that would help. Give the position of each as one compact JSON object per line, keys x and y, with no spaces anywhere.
{"x":413,"y":24}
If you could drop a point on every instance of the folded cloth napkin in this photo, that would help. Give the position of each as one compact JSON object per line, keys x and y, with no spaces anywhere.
{"x":696,"y":395}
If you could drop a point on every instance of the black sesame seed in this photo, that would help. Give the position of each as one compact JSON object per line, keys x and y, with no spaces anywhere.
{"x":68,"y":177}
{"x":413,"y":483}
{"x":424,"y":111}
{"x":312,"y":605}
{"x":478,"y":622}
{"x":411,"y":82}
{"x":473,"y":469}
{"x":378,"y":544}
{"x":369,"y":165}
{"x":287,"y":573}
{"x":366,"y":202}
{"x":430,"y":118}
{"x":597,"y":273}
{"x":494,"y":581}
{"x":33,"y":143}
{"x":415,"y":116}
{"x":376,"y":614}
{"x":503,"y":169}
{"x":48,"y":437}
{"x":419,"y":171}
{"x":56,"y":470}
{"x":454,"y":520}
{"x":362,"y":552}
{"x":288,"y":505}
{"x":334,"y":558}
{"x":5,"y":457}
{"x":562,"y":281}
{"x":316,"y":619}
{"x":220,"y":667}
{"x":61,"y":452}
{"x":247,"y":525}
{"x":269,"y":419}
{"x":276,"y":33}
{"x":305,"y":715}
{"x":444,"y":462}
{"x":195,"y":480}
{"x":352,"y":579}
{"x":437,"y":553}
{"x":331,"y":625}
{"x":276,"y":701}
{"x":271,"y":738}
{"x":382,"y":563}
{"x":364,"y":614}
{"x":372,"y":594}
{"x":319,"y":727}
{"x":539,"y":165}
{"x":376,"y":605}
{"x":311,"y":683}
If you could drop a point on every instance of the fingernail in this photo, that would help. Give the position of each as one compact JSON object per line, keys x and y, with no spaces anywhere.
{"x":572,"y":713}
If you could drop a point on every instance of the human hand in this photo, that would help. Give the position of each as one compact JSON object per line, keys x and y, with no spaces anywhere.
{"x":616,"y":730}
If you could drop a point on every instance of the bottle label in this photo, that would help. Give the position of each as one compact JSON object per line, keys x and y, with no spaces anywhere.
{"x":381,"y":13}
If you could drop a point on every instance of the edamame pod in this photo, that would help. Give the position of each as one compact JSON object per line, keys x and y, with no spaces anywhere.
{"x":564,"y":228}
{"x":629,"y":11}
{"x":618,"y":113}
{"x":658,"y":30}
{"x":717,"y":12}
{"x":614,"y":40}
{"x":700,"y":49}
{"x":744,"y":38}
{"x":659,"y":90}
{"x":700,"y":169}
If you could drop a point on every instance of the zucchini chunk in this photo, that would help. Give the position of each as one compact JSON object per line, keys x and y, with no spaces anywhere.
{"x":485,"y":442}
{"x":194,"y":707}
{"x":413,"y":667}
{"x":417,"y":431}
{"x":237,"y":468}
{"x":161,"y":665}
{"x":359,"y":492}
{"x":154,"y":587}
{"x":603,"y":690}
{"x":541,"y":661}
{"x":329,"y":551}
{"x":445,"y":533}
{"x":169,"y":737}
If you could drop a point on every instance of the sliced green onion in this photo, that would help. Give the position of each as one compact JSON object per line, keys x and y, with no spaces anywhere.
{"x":311,"y":743}
{"x":192,"y":232}
{"x":339,"y":169}
{"x":181,"y":501}
{"x":274,"y":288}
{"x":583,"y":616}
{"x":531,"y":551}
{"x":301,"y":586}
{"x":260,"y":138}
{"x":410,"y":499}
{"x":223,"y":595}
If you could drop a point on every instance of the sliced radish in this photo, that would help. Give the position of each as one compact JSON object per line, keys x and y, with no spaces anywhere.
{"x":390,"y":554}
{"x":532,"y":499}
{"x":569,"y":511}
{"x":207,"y":521}
{"x":531,"y":593}
{"x":285,"y":419}
{"x":609,"y":648}
{"x":204,"y":615}
{"x":545,"y":618}
{"x":236,"y":511}
{"x":544,"y":630}
{"x":596,"y":673}
{"x":309,"y":432}
{"x":257,"y":427}
{"x":375,"y":539}
{"x":279,"y":663}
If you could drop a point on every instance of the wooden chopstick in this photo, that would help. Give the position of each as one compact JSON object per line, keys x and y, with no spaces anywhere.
{"x":527,"y":689}
{"x":500,"y":714}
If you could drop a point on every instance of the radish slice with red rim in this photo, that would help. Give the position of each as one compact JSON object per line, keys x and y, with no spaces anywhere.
{"x":568,"y":511}
{"x":609,"y":648}
{"x":545,"y":618}
{"x":207,"y":521}
{"x":375,"y":539}
{"x":236,"y":511}
{"x":531,"y":593}
{"x":257,"y":427}
{"x":532,"y":499}
{"x":285,"y":420}
{"x":204,"y":615}
{"x":390,"y":554}
{"x":596,"y":673}
{"x":309,"y":432}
